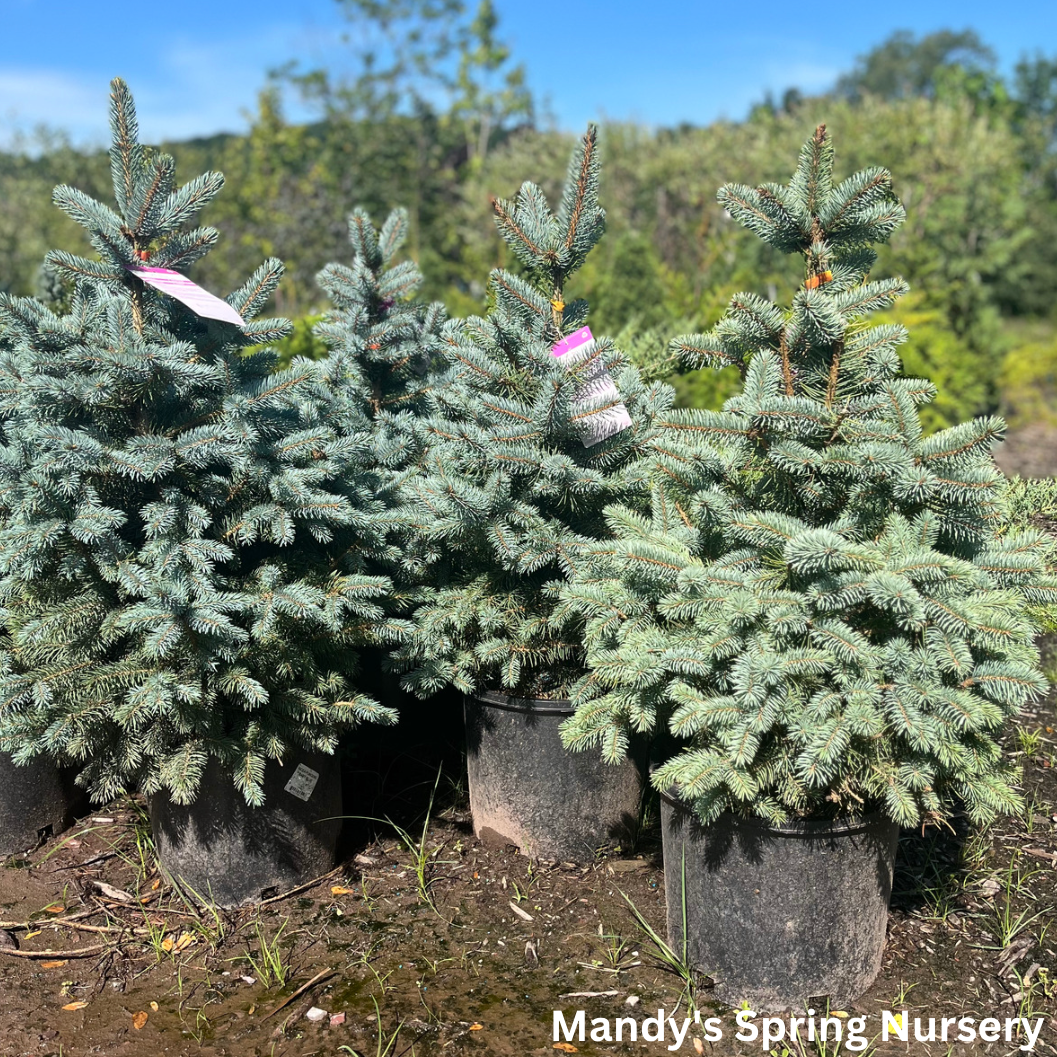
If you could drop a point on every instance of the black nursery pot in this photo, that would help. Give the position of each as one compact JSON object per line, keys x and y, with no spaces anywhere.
{"x":779,"y":915}
{"x":36,"y":801}
{"x":527,"y":789}
{"x":230,"y":853}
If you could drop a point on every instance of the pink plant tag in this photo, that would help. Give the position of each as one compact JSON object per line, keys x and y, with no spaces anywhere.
{"x":191,"y":294}
{"x":606,"y":414}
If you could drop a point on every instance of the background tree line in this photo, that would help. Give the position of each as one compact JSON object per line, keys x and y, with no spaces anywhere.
{"x":436,"y":117}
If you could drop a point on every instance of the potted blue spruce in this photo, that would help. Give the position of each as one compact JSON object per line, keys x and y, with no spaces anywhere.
{"x":823,"y":613}
{"x":382,"y":340}
{"x":383,"y":347}
{"x":35,"y":800}
{"x":536,"y":428}
{"x":181,"y":545}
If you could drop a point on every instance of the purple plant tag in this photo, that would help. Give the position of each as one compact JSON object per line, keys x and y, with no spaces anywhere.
{"x":606,"y":414}
{"x":191,"y":294}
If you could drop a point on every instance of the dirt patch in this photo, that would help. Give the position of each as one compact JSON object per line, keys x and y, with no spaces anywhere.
{"x":454,"y":947}
{"x":1029,"y":452}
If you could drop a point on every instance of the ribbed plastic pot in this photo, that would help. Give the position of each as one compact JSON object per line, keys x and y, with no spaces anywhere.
{"x":527,"y":789}
{"x":36,"y":801}
{"x":779,"y":916}
{"x":224,"y":851}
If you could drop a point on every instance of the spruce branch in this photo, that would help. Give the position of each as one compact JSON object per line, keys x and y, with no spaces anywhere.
{"x":126,"y":154}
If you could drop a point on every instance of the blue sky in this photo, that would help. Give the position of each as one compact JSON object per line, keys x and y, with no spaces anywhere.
{"x":196,"y":66}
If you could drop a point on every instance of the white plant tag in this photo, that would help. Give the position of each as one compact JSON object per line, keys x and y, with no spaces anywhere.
{"x":191,"y":294}
{"x":302,"y":782}
{"x":605,"y":420}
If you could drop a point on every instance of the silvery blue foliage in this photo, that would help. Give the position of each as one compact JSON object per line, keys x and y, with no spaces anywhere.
{"x":823,"y":609}
{"x":510,"y":496}
{"x":186,"y":544}
{"x":382,"y":369}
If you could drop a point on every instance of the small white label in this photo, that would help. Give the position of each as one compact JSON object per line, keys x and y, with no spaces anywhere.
{"x":190,"y":293}
{"x":596,"y":385}
{"x":302,"y":782}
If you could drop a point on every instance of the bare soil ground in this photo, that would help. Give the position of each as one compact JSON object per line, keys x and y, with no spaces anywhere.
{"x":451,"y":947}
{"x":1030,"y":451}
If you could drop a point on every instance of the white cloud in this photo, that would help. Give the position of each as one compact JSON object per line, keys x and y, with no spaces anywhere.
{"x":30,"y":98}
{"x":196,"y":88}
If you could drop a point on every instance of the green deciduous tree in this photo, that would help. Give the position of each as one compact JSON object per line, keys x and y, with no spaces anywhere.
{"x":904,"y":66}
{"x":414,"y":56}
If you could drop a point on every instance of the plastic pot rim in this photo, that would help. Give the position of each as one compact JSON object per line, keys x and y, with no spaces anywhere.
{"x":801,"y":827}
{"x":525,"y":705}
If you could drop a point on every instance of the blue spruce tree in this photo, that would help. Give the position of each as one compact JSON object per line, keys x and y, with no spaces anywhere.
{"x":382,"y":369}
{"x":184,"y":540}
{"x":822,"y":609}
{"x":522,"y":454}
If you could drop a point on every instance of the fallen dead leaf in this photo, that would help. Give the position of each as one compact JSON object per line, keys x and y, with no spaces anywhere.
{"x":113,"y":893}
{"x":520,"y":913}
{"x":71,"y":1007}
{"x":139,"y":1019}
{"x":178,"y":943}
{"x":53,"y":965}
